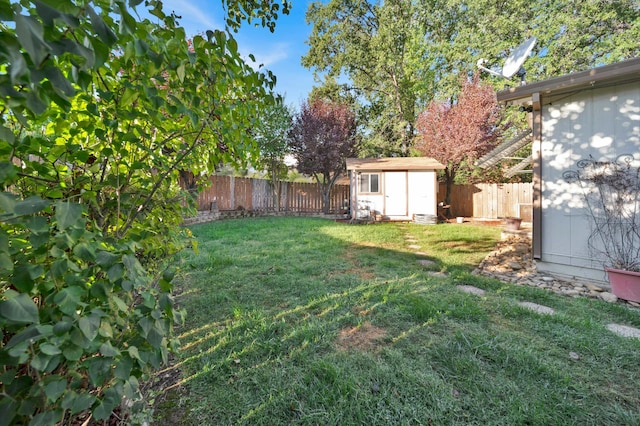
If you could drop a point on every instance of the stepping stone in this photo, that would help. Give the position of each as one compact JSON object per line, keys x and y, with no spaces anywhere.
{"x":414,"y":247}
{"x":624,"y":330}
{"x":421,"y":253}
{"x":545,"y":310}
{"x":437,"y":274}
{"x":471,"y":289}
{"x":411,"y":240}
{"x":426,"y":262}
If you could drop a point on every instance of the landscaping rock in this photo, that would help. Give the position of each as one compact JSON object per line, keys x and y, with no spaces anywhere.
{"x":541,"y":309}
{"x":608,"y":297}
{"x":515,"y":250}
{"x":471,"y":289}
{"x":414,"y":246}
{"x":426,"y":262}
{"x":624,"y":330}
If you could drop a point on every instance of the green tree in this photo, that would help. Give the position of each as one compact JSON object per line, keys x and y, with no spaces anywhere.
{"x":572,"y":36}
{"x":272,"y":136}
{"x":378,"y":47}
{"x":98,"y":113}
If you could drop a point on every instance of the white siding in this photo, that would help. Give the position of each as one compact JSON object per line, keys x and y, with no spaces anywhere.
{"x":603,"y":124}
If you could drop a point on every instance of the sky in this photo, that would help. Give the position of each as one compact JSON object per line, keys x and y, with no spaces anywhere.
{"x":280,"y":52}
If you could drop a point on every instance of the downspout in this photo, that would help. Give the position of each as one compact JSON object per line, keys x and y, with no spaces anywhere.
{"x":536,"y":155}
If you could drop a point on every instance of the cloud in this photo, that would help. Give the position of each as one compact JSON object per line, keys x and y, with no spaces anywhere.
{"x":267,"y":55}
{"x":194,"y":18}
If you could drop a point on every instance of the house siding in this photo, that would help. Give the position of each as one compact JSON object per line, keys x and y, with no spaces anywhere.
{"x":601,"y":123}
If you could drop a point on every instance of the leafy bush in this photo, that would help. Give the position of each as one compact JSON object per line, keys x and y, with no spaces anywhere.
{"x":99,"y":115}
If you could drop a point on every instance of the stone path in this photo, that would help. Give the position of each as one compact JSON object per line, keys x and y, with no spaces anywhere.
{"x":619,"y":329}
{"x":512,"y":262}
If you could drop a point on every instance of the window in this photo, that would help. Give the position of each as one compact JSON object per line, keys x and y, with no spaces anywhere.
{"x":370,"y":182}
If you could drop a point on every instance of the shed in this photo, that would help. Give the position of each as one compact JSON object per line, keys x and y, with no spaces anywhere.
{"x":590,"y":114}
{"x":393,"y":188}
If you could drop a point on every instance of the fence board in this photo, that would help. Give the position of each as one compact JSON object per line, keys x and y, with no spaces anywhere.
{"x":489,"y":201}
{"x":232,"y":193}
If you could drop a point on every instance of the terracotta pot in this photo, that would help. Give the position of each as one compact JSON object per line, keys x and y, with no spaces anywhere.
{"x":624,"y":284}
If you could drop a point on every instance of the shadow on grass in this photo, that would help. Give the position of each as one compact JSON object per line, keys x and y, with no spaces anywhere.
{"x":265,"y":337}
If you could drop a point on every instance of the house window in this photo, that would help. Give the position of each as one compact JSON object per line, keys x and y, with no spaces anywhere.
{"x":370,"y":183}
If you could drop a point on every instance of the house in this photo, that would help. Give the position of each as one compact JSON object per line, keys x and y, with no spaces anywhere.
{"x":590,"y":114}
{"x":393,"y":188}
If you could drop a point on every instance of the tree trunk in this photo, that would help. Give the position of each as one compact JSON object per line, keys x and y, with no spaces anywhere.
{"x":449,"y":175}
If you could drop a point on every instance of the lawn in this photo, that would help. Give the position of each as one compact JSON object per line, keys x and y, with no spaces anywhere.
{"x":311,"y":322}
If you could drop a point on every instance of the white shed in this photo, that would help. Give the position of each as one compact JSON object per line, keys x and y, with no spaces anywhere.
{"x":393,"y":188}
{"x":591,"y":114}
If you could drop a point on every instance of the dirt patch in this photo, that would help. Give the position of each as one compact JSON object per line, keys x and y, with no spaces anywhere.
{"x":363,"y":337}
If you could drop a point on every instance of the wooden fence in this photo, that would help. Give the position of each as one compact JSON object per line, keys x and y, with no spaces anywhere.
{"x":491,"y":200}
{"x":488,"y":201}
{"x":235,"y":193}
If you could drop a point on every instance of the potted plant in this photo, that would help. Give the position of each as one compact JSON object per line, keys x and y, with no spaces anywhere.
{"x":611,"y":191}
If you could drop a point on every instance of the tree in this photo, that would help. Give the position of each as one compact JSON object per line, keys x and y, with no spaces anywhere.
{"x":572,"y":36}
{"x":272,"y":136}
{"x":463,"y":130}
{"x":378,"y":47}
{"x":398,"y":55}
{"x":98,"y":113}
{"x":323,"y":136}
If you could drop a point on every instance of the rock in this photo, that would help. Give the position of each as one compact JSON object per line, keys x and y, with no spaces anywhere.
{"x":608,"y":297}
{"x":547,"y":279}
{"x":545,"y":310}
{"x":624,"y":330}
{"x":471,"y":289}
{"x":593,"y":287}
{"x":426,"y":262}
{"x":414,"y":246}
{"x":574,"y":355}
{"x":515,"y":266}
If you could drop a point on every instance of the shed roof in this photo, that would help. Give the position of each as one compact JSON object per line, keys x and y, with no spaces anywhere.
{"x":618,"y":73}
{"x":394,"y":163}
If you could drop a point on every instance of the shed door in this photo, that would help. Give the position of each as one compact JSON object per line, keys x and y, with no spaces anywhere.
{"x":395,"y":193}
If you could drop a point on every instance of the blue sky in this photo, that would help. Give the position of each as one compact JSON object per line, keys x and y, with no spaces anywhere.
{"x":280,"y":51}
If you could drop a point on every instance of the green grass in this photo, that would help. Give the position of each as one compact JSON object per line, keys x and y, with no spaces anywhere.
{"x":310,"y":322}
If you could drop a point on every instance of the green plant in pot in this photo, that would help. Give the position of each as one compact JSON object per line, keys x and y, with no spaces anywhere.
{"x":611,"y":191}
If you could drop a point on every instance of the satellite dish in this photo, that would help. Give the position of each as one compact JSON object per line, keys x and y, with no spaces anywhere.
{"x":514,"y":62}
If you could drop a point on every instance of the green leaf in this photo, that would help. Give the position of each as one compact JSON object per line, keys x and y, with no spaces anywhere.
{"x":69,"y":299}
{"x":30,"y":35}
{"x":112,"y":398}
{"x":106,"y":349}
{"x":68,"y":214}
{"x":101,"y":28}
{"x":24,"y":276}
{"x":49,"y":349}
{"x":19,"y":310}
{"x":72,"y":352}
{"x":48,"y":418}
{"x":30,"y":205}
{"x":89,"y":326}
{"x":55,"y":388}
{"x":77,"y":402}
{"x":60,"y":84}
{"x":85,"y":252}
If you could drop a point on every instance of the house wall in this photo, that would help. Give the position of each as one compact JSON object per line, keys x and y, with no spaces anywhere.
{"x":599,"y":123}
